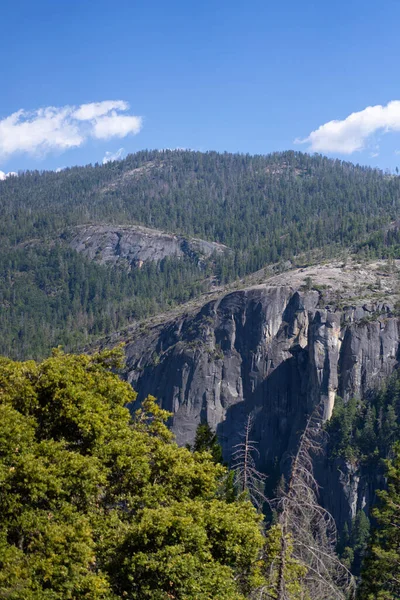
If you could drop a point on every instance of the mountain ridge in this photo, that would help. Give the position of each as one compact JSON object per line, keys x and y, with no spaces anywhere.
{"x":266,"y":209}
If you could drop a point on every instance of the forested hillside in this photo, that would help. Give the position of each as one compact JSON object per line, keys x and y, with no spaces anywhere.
{"x":65,"y":411}
{"x":266,"y":208}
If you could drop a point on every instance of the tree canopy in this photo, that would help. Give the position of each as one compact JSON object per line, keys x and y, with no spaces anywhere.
{"x":95,"y":504}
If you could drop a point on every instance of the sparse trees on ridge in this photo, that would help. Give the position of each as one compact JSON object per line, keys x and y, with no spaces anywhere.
{"x":268,"y":209}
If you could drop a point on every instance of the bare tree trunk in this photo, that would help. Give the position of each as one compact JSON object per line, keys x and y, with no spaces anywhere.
{"x":246,"y":454}
{"x":282,"y":565}
{"x":248,"y":478}
{"x":310,"y":527}
{"x":307,"y":532}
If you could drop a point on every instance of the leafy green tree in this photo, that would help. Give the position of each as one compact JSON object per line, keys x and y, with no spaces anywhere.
{"x":96,"y":505}
{"x":381,"y":570}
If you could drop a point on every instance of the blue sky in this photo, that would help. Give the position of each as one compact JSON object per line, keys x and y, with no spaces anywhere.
{"x":227,"y":75}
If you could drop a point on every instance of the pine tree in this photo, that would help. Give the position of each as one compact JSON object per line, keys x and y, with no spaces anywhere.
{"x":381,"y":571}
{"x":359,"y":539}
{"x":206,"y":441}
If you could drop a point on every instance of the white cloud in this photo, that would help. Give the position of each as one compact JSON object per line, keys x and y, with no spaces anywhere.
{"x":115,"y":125}
{"x":111,"y":156}
{"x":4,"y":176}
{"x":60,"y":128}
{"x":352,"y":134}
{"x":97,"y":109}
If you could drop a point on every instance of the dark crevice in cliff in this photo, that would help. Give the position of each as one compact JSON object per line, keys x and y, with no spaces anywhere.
{"x":272,"y":351}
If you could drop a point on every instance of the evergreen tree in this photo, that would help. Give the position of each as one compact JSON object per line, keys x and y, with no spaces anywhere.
{"x":206,"y":441}
{"x":381,"y":570}
{"x":360,"y":532}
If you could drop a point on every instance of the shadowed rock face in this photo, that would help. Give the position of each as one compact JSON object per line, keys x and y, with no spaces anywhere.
{"x":269,"y":349}
{"x":276,"y":352}
{"x":132,"y":246}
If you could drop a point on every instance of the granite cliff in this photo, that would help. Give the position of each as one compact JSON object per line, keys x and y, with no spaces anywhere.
{"x":275,"y":349}
{"x":130,"y":246}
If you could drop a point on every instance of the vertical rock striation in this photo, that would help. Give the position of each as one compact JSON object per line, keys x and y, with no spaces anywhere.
{"x":275,"y":351}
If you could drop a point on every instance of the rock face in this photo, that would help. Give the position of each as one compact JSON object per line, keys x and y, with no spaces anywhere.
{"x":273,"y":350}
{"x":132,"y":246}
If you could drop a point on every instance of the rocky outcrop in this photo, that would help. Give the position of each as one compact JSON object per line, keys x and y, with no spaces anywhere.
{"x":132,"y":246}
{"x":347,"y":487}
{"x":275,"y":350}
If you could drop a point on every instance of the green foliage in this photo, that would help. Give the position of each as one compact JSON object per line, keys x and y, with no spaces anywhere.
{"x":384,"y":243}
{"x":341,"y":429}
{"x":206,"y":441}
{"x":381,"y":572}
{"x":363,"y":433}
{"x":268,"y":209}
{"x":97,"y":505}
{"x":352,"y":546}
{"x":360,"y":533}
{"x":292,"y":572}
{"x":52,"y":295}
{"x":308,"y":283}
{"x":365,"y":430}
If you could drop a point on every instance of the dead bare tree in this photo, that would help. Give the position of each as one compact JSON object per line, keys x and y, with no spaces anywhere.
{"x":248,"y":478}
{"x":303,"y":564}
{"x":309,"y":527}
